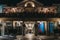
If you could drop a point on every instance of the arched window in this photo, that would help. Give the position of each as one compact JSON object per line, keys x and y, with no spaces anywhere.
{"x":29,"y":4}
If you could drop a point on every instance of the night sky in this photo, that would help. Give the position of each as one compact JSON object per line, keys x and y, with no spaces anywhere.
{"x":14,"y":2}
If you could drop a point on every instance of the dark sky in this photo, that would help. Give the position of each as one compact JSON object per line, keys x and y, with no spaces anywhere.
{"x":14,"y":2}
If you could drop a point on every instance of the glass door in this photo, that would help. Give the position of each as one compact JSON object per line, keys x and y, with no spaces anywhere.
{"x":41,"y":28}
{"x":18,"y":27}
{"x":51,"y":27}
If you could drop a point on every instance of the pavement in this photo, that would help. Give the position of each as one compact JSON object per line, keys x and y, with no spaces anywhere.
{"x":19,"y":37}
{"x":7,"y":37}
{"x":42,"y":38}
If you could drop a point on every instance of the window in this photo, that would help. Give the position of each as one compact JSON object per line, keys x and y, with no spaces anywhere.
{"x":29,"y":4}
{"x":1,"y":7}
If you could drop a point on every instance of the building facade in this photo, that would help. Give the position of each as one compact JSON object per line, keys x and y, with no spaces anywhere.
{"x":29,"y":17}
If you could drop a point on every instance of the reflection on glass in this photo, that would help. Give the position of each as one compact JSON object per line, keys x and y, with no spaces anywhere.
{"x":51,"y":27}
{"x":1,"y":7}
{"x":41,"y":27}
